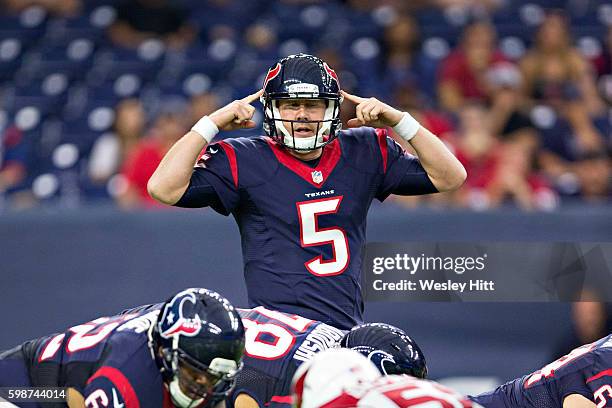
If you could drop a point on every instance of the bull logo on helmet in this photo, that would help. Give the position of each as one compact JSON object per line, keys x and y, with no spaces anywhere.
{"x":272,"y":73}
{"x":378,"y":357}
{"x":173,"y":320}
{"x":331,"y":73}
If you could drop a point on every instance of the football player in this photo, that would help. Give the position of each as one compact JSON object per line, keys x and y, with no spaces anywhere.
{"x":276,"y":345}
{"x":301,"y":194}
{"x":185,"y":352}
{"x":344,"y":379}
{"x":580,"y":379}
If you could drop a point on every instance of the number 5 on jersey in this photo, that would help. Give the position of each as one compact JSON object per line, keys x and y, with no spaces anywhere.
{"x":312,"y":235}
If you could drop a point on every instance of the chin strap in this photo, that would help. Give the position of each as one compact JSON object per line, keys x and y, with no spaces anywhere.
{"x":303,"y":143}
{"x":178,"y":396}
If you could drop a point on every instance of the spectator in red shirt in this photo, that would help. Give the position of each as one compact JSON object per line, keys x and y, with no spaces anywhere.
{"x":409,"y":98}
{"x":462,"y":75}
{"x":110,"y":150}
{"x":13,"y":155}
{"x":147,"y":154}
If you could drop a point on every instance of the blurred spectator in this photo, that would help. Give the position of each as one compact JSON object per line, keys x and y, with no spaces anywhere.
{"x":558,"y":76}
{"x":476,"y":8}
{"x":515,"y":180}
{"x":462,"y":75}
{"x":140,"y":20}
{"x":203,"y":104}
{"x":498,"y":171}
{"x":111,"y":149}
{"x":410,"y":99}
{"x":170,"y":125}
{"x":603,"y":62}
{"x":477,"y":149}
{"x":594,"y":175}
{"x":62,"y":8}
{"x":403,"y":60}
{"x":590,"y":322}
{"x":504,"y":85}
{"x":262,"y":39}
{"x":555,"y":71}
{"x":13,"y":160}
{"x":603,"y":67}
{"x":570,"y":138}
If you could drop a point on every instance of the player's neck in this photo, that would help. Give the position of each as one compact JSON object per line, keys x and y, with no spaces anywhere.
{"x":306,"y":156}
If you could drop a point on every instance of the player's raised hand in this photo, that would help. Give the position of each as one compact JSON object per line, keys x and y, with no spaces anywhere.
{"x":237,"y":114}
{"x":372,"y":112}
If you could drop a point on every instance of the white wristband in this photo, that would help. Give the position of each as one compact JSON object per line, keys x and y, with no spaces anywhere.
{"x":408,"y":127}
{"x":206,"y":128}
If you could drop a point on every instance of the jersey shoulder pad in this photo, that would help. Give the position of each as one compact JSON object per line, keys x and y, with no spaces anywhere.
{"x":365,"y":147}
{"x":128,"y":373}
{"x":127,"y":342}
{"x":249,"y":158}
{"x":141,"y":321}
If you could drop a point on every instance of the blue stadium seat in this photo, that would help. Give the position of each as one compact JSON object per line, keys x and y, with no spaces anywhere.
{"x":111,"y":63}
{"x":11,"y":52}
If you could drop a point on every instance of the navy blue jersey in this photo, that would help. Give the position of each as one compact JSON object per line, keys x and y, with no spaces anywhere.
{"x":586,"y":370}
{"x":303,"y":228}
{"x":107,"y":360}
{"x":276,"y":345}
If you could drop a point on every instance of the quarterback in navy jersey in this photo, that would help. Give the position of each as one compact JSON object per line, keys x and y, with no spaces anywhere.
{"x":185,"y":352}
{"x":582,"y":378}
{"x":276,"y":345}
{"x":300,"y":195}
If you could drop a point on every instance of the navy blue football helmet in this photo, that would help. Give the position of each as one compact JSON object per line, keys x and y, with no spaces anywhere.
{"x":301,"y":76}
{"x":198,"y":343}
{"x":388,"y":347}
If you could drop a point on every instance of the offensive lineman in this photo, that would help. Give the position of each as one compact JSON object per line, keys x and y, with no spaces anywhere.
{"x":183,"y":353}
{"x":277,"y":344}
{"x":580,"y":379}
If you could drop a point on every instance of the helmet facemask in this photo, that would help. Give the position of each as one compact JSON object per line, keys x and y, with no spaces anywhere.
{"x":192,"y":383}
{"x":283,"y":130}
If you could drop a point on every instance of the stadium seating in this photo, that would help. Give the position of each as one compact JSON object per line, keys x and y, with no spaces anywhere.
{"x":65,"y":68}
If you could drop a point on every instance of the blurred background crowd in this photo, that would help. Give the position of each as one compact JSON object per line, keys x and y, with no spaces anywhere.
{"x":94,"y":92}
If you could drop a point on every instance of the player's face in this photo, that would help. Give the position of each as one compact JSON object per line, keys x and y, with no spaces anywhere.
{"x":195,"y":383}
{"x":308,"y":111}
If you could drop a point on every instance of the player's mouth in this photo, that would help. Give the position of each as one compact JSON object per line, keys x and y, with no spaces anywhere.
{"x":302,"y":131}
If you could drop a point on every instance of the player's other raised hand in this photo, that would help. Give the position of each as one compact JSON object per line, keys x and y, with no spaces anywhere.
{"x":237,"y":114}
{"x":372,"y":112}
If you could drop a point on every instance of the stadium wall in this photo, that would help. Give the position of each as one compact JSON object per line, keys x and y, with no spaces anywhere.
{"x":59,"y":268}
